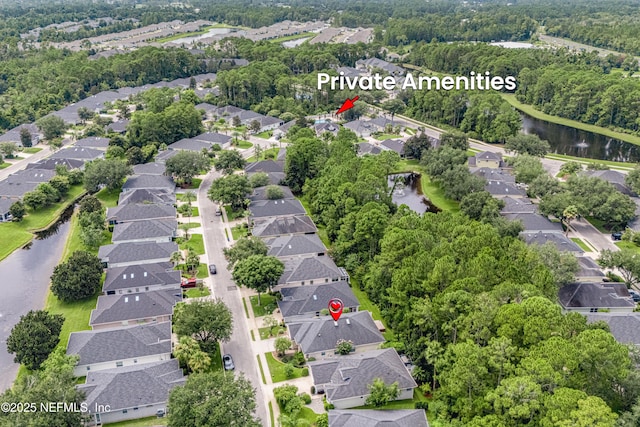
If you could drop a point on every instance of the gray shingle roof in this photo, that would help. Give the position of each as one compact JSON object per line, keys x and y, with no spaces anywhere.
{"x":93,"y":142}
{"x":162,"y":156}
{"x":265,"y":166}
{"x":379,"y":63}
{"x":301,"y":244}
{"x":5,"y":204}
{"x":123,"y":343}
{"x":321,"y":333}
{"x":146,"y":229}
{"x":350,"y":376}
{"x":119,"y":127}
{"x":502,"y":188}
{"x":588,"y":268}
{"x":79,"y":153}
{"x":361,"y":126}
{"x":32,"y":175}
{"x":367,"y":148}
{"x":117,"y":308}
{"x":52,"y":163}
{"x":321,"y":128}
{"x":260,"y":193}
{"x":140,"y":252}
{"x":562,"y":242}
{"x":513,"y":205}
{"x":301,"y":300}
{"x":488,"y":155}
{"x":595,"y":295}
{"x":309,"y":268}
{"x":625,"y":327}
{"x":153,"y":274}
{"x":378,"y":418}
{"x":149,"y":182}
{"x":282,"y":207}
{"x":140,"y":211}
{"x":535,"y":222}
{"x":149,"y":169}
{"x":132,"y":386}
{"x":273,"y":226}
{"x":16,"y":189}
{"x":491,"y":174}
{"x":147,"y":196}
{"x":190,"y":145}
{"x":396,"y":145}
{"x":213,"y":138}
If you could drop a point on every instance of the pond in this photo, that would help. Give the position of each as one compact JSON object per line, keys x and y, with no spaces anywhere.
{"x":408,"y":191}
{"x":580,"y":143}
{"x":25,"y":280}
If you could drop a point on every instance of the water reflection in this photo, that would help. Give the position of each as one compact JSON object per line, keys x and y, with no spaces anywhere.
{"x":580,"y":143}
{"x":407,"y":190}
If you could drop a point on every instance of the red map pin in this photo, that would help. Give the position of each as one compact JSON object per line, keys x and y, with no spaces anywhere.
{"x":335,"y":308}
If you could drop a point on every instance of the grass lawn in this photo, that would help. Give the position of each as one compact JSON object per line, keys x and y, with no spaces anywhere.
{"x":532,"y":111}
{"x":195,"y":183}
{"x":266,"y":300}
{"x":623,"y":244}
{"x":582,"y":244}
{"x":383,"y":136}
{"x":182,"y":35}
{"x":598,"y":224}
{"x":276,"y":369}
{"x":272,"y":151}
{"x":292,"y":37}
{"x":265,"y":135}
{"x":203,"y":271}
{"x":367,"y":304}
{"x":180,"y":196}
{"x":14,"y":235}
{"x":239,"y":231}
{"x":4,"y":165}
{"x":194,"y":212}
{"x":266,"y":332}
{"x":264,"y":380}
{"x":307,"y":414}
{"x":109,"y":198}
{"x":584,"y":160}
{"x":232,"y":214}
{"x":191,"y":225}
{"x":195,"y":242}
{"x":216,"y":360}
{"x":242,"y":144}
{"x":409,"y":131}
{"x":246,"y":310}
{"x":31,"y":150}
{"x":273,"y":421}
{"x":436,"y":195}
{"x":407,"y":165}
{"x":142,"y":422}
{"x":196,"y":292}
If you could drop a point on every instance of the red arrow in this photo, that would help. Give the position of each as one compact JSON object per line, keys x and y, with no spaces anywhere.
{"x":347,"y":104}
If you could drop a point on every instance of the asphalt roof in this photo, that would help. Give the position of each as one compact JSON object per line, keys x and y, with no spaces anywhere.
{"x":625,"y":327}
{"x":32,"y":175}
{"x":350,"y":376}
{"x":138,"y":251}
{"x":301,"y":300}
{"x":378,"y":418}
{"x":535,"y":222}
{"x":299,"y":244}
{"x":316,"y":334}
{"x":562,"y":242}
{"x":141,"y":275}
{"x":52,"y":163}
{"x":514,"y":205}
{"x":105,"y":345}
{"x":145,"y":229}
{"x":396,"y":145}
{"x":140,"y":211}
{"x":80,"y":153}
{"x":282,"y":207}
{"x":162,"y":156}
{"x":309,"y":268}
{"x":265,"y":166}
{"x":595,"y":295}
{"x":190,"y":145}
{"x":213,"y":138}
{"x":149,"y":182}
{"x":133,"y":386}
{"x":147,"y":196}
{"x":149,"y":169}
{"x":16,"y":189}
{"x":260,"y":193}
{"x":274,"y":226}
{"x":503,"y":188}
{"x":117,"y":308}
{"x":492,"y":174}
{"x":93,"y":142}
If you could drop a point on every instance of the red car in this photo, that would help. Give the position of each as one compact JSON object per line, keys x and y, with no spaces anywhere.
{"x":188,"y":283}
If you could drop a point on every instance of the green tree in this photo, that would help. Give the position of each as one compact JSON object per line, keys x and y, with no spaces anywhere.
{"x":570,"y":168}
{"x":204,"y":401}
{"x":189,"y":197}
{"x":34,"y":199}
{"x":455,"y":139}
{"x":187,"y":164}
{"x":232,"y":189}
{"x":274,"y":192}
{"x":633,"y":179}
{"x":34,"y":337}
{"x":108,"y":172}
{"x":244,"y":248}
{"x":569,"y":214}
{"x":393,"y":106}
{"x":17,"y":210}
{"x":416,"y":145}
{"x":209,"y":322}
{"x":258,"y":272}
{"x":85,"y":114}
{"x":344,"y":347}
{"x":89,"y":204}
{"x":380,"y":394}
{"x":563,"y":265}
{"x":61,"y":184}
{"x":51,"y":126}
{"x":7,"y":149}
{"x":228,"y":161}
{"x":481,"y":206}
{"x":259,"y":179}
{"x":543,"y":185}
{"x":176,"y":258}
{"x":78,"y":278}
{"x":92,"y":237}
{"x":282,"y":344}
{"x":517,"y":400}
{"x":115,"y":152}
{"x":527,"y":168}
{"x":254,"y":126}
{"x":304,"y":160}
{"x":527,"y":144}
{"x":625,"y":260}
{"x":26,"y":139}
{"x":135,"y":156}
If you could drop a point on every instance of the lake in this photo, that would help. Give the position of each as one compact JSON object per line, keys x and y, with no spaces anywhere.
{"x":580,"y":143}
{"x":408,"y":191}
{"x":25,"y":281}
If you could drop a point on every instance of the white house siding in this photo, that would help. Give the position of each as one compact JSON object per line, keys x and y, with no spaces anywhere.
{"x":131,"y":414}
{"x":143,"y":289}
{"x":81,"y":370}
{"x":148,"y":239}
{"x":144,"y":261}
{"x":113,"y":325}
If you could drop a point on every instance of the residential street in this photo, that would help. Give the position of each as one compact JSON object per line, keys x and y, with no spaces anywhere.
{"x":223,"y":287}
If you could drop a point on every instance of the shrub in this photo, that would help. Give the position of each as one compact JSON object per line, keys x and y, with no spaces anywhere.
{"x":305,"y":372}
{"x":313,"y":389}
{"x":422,"y":405}
{"x":289,"y":370}
{"x":306,"y":398}
{"x":298,"y":359}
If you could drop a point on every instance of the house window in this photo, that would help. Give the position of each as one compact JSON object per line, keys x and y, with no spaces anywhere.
{"x":119,"y":364}
{"x":326,"y":280}
{"x":135,"y":409}
{"x":302,"y":283}
{"x":124,"y":411}
{"x":88,"y":368}
{"x":311,"y":282}
{"x":322,"y":354}
{"x":146,"y":288}
{"x":593,"y":310}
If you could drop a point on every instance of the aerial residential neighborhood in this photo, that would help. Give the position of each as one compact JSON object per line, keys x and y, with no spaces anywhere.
{"x":319,"y":214}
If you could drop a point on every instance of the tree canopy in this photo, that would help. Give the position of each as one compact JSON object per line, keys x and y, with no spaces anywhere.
{"x":34,"y":337}
{"x":78,"y":278}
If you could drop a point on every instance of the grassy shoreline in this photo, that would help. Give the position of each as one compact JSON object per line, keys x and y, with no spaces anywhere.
{"x":530,"y":110}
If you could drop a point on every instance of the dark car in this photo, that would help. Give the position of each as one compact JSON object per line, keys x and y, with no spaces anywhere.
{"x":635,"y":295}
{"x":616,"y":235}
{"x":228,"y":363}
{"x":212,"y":269}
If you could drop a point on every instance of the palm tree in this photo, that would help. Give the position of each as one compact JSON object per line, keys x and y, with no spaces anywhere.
{"x":569,"y":214}
{"x":235,"y":135}
{"x":257,"y":149}
{"x":185,"y":229}
{"x":189,"y":196}
{"x":199,"y":361}
{"x":176,"y":258}
{"x":184,"y":349}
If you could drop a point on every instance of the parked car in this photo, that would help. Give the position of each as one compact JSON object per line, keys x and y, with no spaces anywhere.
{"x":635,"y":295}
{"x":212,"y":269}
{"x":218,"y":211}
{"x":227,"y":360}
{"x":189,"y":283}
{"x":616,"y":235}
